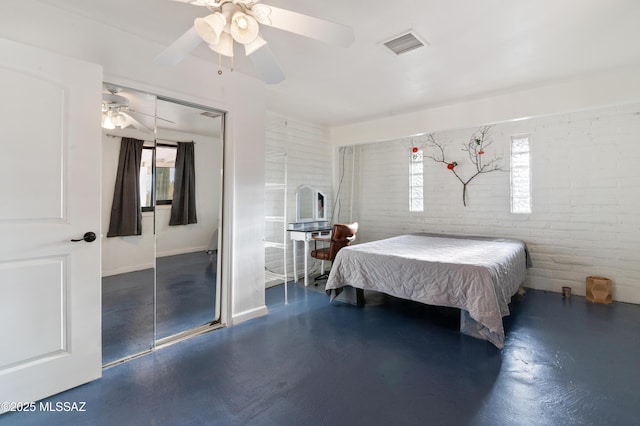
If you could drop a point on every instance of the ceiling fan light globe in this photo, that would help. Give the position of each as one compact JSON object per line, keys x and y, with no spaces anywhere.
{"x":241,"y":22}
{"x":118,"y":120}
{"x":243,"y":28}
{"x":107,"y":123}
{"x":210,"y":27}
{"x":249,"y":48}
{"x":224,"y":45}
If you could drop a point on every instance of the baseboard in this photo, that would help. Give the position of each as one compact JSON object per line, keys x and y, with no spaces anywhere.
{"x":250,"y":314}
{"x":181,"y":251}
{"x":273,"y":283}
{"x":127,"y":269}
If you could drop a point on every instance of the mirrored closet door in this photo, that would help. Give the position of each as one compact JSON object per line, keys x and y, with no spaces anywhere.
{"x":162,"y":204}
{"x":187,"y":234}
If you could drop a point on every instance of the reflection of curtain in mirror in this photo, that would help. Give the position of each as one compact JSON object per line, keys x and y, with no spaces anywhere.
{"x":126,"y":210}
{"x":183,"y":206}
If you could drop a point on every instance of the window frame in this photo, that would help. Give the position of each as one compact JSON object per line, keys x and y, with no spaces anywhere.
{"x":512,"y":156}
{"x":416,"y":160}
{"x":154,"y":201}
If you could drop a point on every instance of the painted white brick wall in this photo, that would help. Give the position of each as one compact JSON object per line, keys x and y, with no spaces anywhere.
{"x":309,"y":162}
{"x":585,"y":196}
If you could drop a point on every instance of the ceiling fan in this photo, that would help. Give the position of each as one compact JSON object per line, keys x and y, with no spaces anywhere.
{"x":116,"y":112}
{"x":238,"y":21}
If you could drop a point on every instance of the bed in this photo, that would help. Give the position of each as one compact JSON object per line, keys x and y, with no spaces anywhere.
{"x":478,"y":275}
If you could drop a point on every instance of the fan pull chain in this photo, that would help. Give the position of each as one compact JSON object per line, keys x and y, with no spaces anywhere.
{"x":220,"y":63}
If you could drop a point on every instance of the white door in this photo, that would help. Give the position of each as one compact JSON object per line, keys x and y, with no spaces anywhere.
{"x":50,"y":141}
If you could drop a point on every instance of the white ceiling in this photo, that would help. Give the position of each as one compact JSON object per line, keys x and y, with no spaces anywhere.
{"x":476,"y":48}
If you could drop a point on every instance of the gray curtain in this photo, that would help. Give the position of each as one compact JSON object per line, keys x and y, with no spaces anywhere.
{"x":183,"y":205}
{"x":126,"y":209}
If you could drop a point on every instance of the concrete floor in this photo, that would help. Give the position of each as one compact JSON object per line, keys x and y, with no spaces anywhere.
{"x":393,"y":362}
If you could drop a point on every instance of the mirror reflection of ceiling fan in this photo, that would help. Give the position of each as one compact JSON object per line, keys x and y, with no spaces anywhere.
{"x":116,"y":112}
{"x":238,"y":21}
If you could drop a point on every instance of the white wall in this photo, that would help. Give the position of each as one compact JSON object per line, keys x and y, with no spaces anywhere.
{"x":128,"y":60}
{"x":309,"y":162}
{"x":585,"y":183}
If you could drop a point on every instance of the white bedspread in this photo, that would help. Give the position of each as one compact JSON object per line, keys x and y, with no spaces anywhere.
{"x":478,"y":275}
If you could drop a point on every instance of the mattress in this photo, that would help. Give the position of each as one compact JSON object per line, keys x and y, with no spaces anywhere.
{"x":478,"y":275}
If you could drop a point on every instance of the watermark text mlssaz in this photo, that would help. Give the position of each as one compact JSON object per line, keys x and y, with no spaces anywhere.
{"x":51,"y":406}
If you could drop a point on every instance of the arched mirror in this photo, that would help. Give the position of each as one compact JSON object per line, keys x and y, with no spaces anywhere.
{"x":305,"y":204}
{"x":311,"y":205}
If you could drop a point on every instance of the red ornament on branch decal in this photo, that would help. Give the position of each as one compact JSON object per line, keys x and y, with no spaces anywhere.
{"x":475,"y":149}
{"x":414,"y":149}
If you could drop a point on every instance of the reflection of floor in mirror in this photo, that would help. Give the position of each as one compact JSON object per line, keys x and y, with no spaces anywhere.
{"x":127,"y":314}
{"x":186,"y":292}
{"x":186,"y":286}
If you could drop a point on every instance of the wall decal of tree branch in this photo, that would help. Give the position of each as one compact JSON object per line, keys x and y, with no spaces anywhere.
{"x":475,"y":149}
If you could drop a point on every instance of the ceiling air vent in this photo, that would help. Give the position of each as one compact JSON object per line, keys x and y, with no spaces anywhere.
{"x":404,"y":43}
{"x":210,"y":114}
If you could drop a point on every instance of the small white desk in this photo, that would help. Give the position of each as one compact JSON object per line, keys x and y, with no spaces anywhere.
{"x":305,"y":235}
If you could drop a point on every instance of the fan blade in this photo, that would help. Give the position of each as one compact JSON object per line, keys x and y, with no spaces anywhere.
{"x":180,"y":48}
{"x":135,"y":123}
{"x":265,"y":61}
{"x":308,"y":26}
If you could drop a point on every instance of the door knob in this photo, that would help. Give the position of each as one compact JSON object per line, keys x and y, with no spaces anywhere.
{"x":88,"y":237}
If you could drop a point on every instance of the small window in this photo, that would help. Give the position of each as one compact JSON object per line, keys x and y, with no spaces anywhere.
{"x":520,"y":175}
{"x":156,"y":183}
{"x":416,"y":180}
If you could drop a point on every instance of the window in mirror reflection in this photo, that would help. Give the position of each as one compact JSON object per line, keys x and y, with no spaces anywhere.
{"x":163,"y":174}
{"x":320,"y":207}
{"x":146,"y":178}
